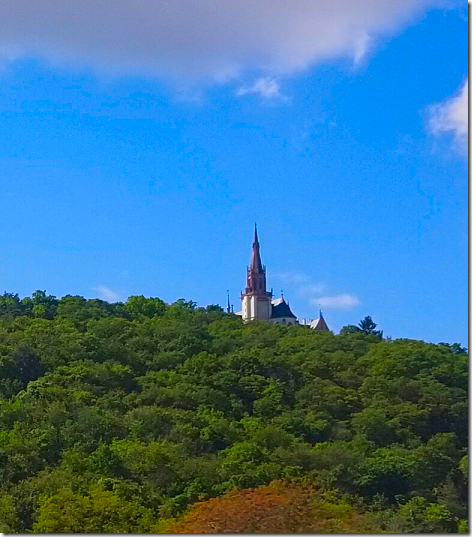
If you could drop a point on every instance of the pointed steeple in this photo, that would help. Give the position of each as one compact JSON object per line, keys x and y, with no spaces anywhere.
{"x":256,"y":263}
{"x":256,"y":276}
{"x":228,"y":307}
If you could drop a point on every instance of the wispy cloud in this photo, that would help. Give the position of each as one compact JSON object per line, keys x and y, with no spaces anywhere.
{"x":268,"y":88}
{"x":361,"y":46}
{"x":105,"y":293}
{"x":343,"y":301}
{"x":452,"y":117}
{"x":311,"y":289}
{"x":315,"y":292}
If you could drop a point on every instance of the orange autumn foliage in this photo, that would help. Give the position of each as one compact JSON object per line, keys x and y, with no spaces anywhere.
{"x":280,"y":507}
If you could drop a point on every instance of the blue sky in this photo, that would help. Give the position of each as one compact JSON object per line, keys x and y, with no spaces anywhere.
{"x":146,"y":176}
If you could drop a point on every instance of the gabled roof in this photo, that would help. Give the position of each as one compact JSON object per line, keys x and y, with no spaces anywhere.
{"x":280,"y":308}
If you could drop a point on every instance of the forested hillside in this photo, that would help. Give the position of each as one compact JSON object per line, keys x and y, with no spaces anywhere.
{"x":119,"y":417}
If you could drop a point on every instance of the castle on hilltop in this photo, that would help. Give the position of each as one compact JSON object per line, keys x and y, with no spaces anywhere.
{"x":258,"y":304}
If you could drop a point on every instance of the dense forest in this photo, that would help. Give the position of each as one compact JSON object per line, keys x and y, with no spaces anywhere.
{"x":148,"y":417}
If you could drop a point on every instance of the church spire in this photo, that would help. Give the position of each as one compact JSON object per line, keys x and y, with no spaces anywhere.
{"x":256,"y":277}
{"x":256,"y":263}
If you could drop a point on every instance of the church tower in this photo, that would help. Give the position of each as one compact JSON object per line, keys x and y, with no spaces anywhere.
{"x":256,"y":301}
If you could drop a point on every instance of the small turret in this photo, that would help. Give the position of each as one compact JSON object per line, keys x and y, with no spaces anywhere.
{"x":319,"y":324}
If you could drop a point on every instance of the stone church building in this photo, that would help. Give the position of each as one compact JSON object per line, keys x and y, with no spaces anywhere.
{"x":258,"y":304}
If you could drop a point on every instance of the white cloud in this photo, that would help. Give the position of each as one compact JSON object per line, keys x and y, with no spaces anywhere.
{"x":452,"y":117}
{"x":343,"y":301}
{"x":187,"y":40}
{"x":314,"y":293}
{"x":105,"y":293}
{"x":268,"y":88}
